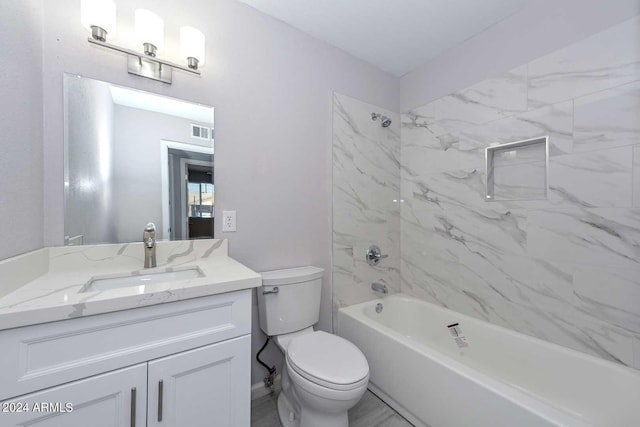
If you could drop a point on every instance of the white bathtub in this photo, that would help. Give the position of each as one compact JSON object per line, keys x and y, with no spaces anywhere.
{"x":502,"y":379}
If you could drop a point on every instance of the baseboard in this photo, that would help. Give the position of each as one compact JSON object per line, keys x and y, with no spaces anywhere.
{"x":258,"y":390}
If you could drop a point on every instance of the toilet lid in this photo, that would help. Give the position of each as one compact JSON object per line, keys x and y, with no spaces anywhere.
{"x":325,"y":358}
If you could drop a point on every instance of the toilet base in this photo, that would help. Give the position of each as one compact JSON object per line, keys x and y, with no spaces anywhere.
{"x":289,"y":418}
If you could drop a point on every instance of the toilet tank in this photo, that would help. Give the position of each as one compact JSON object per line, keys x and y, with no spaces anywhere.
{"x":295,"y":304}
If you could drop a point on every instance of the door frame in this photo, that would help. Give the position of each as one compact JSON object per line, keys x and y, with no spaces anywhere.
{"x":183,"y":192}
{"x":165,"y":145}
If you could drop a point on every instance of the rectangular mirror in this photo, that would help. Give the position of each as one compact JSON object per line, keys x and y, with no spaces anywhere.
{"x":134,"y":157}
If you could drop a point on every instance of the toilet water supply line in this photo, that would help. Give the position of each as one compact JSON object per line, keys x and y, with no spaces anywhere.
{"x":269,"y":379}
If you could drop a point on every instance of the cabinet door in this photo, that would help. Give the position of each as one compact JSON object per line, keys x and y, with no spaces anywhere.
{"x":101,"y":401}
{"x":208,"y":386}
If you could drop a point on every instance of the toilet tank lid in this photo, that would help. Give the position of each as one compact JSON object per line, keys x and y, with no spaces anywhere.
{"x":291,"y":275}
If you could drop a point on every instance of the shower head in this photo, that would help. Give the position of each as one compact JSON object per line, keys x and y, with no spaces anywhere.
{"x":384,"y":120}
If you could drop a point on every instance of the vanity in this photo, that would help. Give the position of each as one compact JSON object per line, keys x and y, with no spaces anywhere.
{"x":151,"y":333}
{"x":91,"y":338}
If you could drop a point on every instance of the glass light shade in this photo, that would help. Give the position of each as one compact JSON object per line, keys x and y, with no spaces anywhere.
{"x":149,"y":28}
{"x":99,"y":13}
{"x":192,"y":44}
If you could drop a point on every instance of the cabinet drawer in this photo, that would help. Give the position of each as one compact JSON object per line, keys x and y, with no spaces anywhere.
{"x":41,"y":356}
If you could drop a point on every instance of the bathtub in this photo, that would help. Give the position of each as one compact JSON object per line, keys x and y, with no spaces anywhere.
{"x":486,"y":376}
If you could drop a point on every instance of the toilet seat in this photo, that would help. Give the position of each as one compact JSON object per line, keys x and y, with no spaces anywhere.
{"x":304,"y":384}
{"x":328,"y":360}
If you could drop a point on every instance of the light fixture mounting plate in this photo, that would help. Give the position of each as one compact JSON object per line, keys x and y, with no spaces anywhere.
{"x":143,"y":67}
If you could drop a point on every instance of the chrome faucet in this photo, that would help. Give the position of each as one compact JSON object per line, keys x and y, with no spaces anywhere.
{"x":379,"y":287}
{"x":149,"y":240}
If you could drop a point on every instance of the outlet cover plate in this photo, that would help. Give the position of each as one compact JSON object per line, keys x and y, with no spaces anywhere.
{"x":228,"y":221}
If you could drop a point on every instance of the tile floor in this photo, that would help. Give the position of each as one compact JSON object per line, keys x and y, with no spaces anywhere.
{"x":369,"y":412}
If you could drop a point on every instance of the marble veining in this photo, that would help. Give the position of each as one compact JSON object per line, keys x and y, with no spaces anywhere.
{"x":565,"y":267}
{"x":366,"y":199}
{"x":562,"y":266}
{"x":610,"y":294}
{"x":607,"y":173}
{"x":57,"y":291}
{"x":491,"y":99}
{"x":607,"y":119}
{"x":457,"y":187}
{"x":576,"y":71}
{"x":606,"y":237}
{"x":554,"y":121}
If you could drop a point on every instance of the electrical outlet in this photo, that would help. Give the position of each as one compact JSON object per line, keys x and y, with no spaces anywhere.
{"x":228,"y":221}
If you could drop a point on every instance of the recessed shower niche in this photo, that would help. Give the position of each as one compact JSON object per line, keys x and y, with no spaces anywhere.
{"x":517,"y":170}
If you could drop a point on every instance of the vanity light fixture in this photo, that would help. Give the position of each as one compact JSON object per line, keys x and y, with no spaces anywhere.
{"x":99,"y":18}
{"x":149,"y":31}
{"x":192,"y":47}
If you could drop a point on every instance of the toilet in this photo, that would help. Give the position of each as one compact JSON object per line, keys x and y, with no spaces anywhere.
{"x":324,"y":375}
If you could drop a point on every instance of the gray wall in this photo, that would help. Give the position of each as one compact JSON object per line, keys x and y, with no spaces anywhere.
{"x":272,"y":89}
{"x":21,"y":183}
{"x":90,"y":141}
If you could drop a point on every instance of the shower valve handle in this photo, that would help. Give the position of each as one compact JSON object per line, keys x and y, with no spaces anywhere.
{"x":374,"y":255}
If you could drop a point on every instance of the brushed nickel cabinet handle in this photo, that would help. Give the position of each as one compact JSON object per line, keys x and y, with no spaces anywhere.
{"x":275,"y":290}
{"x":133,"y":407}
{"x":160,"y":392}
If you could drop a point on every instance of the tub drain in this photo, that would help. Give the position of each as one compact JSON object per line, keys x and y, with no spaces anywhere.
{"x":379,"y":308}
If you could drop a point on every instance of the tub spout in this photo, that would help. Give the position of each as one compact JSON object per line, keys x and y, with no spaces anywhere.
{"x":379,"y":287}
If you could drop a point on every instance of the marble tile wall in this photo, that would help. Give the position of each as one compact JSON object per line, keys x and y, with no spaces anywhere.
{"x":566,"y":268}
{"x":366,"y":193}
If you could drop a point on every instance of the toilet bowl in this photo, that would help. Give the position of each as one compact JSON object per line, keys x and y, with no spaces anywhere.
{"x":324,"y":375}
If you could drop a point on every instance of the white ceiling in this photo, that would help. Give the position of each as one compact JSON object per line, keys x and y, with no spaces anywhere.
{"x":161,"y":104}
{"x":395,"y":35}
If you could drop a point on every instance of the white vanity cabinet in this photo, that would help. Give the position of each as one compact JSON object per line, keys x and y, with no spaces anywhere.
{"x":202,"y":387}
{"x":114,"y":399}
{"x":185,"y":363}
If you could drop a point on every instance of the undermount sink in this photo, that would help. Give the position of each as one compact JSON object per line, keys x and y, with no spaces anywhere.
{"x":126,"y":280}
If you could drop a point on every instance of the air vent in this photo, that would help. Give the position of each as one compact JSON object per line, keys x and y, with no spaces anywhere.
{"x":201,"y":132}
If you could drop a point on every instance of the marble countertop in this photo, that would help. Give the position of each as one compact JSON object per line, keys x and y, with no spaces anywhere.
{"x":46,"y":285}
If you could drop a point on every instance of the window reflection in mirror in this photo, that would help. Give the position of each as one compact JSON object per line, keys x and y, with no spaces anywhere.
{"x":133,"y":157}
